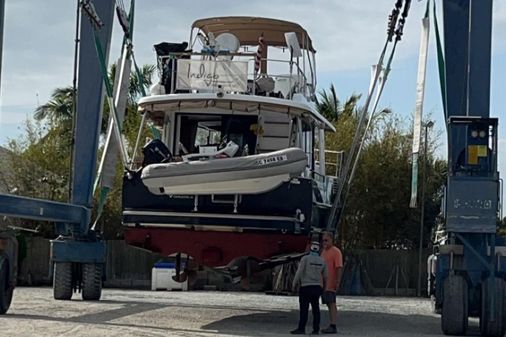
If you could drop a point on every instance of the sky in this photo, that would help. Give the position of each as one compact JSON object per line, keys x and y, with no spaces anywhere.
{"x":348,"y":36}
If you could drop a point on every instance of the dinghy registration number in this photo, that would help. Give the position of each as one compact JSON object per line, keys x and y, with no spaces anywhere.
{"x":270,"y":160}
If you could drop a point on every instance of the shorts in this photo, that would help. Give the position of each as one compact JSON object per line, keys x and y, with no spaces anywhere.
{"x":328,"y":297}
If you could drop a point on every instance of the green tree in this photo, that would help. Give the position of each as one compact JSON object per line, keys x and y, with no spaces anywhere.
{"x":329,"y":105}
{"x":41,"y":157}
{"x":136,"y":86}
{"x":502,"y":227}
{"x":377,"y":212}
{"x":39,"y":166}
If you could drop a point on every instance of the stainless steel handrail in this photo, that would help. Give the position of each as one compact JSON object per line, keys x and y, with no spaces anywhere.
{"x":300,"y":87}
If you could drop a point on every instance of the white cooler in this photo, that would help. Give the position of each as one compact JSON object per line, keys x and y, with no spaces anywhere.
{"x":161,"y":277}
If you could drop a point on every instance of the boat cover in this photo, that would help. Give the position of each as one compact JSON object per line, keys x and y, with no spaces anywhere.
{"x":291,"y":161}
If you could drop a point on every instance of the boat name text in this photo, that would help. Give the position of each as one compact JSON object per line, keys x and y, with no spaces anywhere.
{"x":270,"y":160}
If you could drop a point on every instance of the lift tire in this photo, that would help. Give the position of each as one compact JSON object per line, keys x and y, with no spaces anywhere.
{"x":454,"y":315}
{"x":493,"y":326}
{"x":6,"y":290}
{"x":92,"y":281}
{"x":62,"y":281}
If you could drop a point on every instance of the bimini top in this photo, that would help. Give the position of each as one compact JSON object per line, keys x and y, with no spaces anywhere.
{"x":248,"y":30}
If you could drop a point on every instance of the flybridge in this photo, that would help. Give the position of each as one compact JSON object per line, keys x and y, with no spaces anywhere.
{"x":219,"y":59}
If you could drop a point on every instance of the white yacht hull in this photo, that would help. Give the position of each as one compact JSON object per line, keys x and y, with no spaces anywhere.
{"x":243,"y":186}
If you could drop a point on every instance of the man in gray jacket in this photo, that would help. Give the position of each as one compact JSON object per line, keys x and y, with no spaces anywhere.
{"x":312,"y":275}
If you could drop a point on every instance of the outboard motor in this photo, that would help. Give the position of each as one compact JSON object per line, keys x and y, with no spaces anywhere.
{"x":155,"y":152}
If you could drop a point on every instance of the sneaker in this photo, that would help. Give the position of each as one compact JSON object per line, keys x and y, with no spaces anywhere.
{"x":315,"y":332}
{"x":329,"y":330}
{"x":298,"y":332}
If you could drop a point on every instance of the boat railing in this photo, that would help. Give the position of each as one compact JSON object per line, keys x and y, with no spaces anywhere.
{"x":334,"y":161}
{"x":285,"y":79}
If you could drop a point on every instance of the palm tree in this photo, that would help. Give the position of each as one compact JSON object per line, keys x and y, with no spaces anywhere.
{"x":330,"y":106}
{"x":58,"y":110}
{"x":135,"y":90}
{"x":59,"y":107}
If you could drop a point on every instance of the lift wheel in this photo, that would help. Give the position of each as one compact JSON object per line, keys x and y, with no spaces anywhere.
{"x":454,"y":316}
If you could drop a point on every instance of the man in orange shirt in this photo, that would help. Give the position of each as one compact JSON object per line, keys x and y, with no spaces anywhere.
{"x":334,"y":261}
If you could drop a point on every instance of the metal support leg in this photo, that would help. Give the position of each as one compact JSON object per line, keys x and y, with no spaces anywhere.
{"x":196,"y":203}
{"x":467,"y":244}
{"x":236,"y":202}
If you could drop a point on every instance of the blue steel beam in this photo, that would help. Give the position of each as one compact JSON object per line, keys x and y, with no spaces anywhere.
{"x":77,"y":251}
{"x":480,"y":39}
{"x":44,"y":210}
{"x":467,"y":36}
{"x":456,"y":51}
{"x":89,"y":105}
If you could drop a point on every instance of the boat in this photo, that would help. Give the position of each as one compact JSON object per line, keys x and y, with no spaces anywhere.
{"x":238,"y":169}
{"x":218,"y":176}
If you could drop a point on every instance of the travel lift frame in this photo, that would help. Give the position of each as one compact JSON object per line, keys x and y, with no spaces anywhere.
{"x":470,"y":275}
{"x":78,"y":254}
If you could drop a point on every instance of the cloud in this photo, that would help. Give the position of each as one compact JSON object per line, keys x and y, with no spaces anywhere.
{"x":15,"y":114}
{"x":346,"y":35}
{"x":38,"y":49}
{"x":12,"y":120}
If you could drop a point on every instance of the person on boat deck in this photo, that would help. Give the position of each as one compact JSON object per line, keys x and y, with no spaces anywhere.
{"x":312,"y":276}
{"x":334,"y":261}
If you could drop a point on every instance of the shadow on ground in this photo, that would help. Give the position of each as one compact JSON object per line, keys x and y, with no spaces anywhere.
{"x":355,"y":323}
{"x":256,"y":322}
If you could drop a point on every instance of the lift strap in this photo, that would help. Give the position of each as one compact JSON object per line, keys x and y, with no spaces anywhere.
{"x":440,"y":62}
{"x":113,"y":140}
{"x":420,"y":93}
{"x":395,"y":27}
{"x":110,"y":100}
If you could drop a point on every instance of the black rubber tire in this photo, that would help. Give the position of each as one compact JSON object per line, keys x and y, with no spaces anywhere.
{"x":454,"y":314}
{"x":92,"y":281}
{"x":62,"y":281}
{"x":6,"y":292}
{"x":493,"y":326}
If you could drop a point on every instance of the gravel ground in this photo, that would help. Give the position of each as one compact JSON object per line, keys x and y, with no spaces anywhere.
{"x":123,"y":313}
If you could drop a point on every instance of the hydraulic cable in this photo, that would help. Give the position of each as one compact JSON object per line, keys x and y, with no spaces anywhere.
{"x":395,"y":28}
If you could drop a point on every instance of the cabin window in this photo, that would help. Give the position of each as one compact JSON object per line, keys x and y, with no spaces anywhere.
{"x":199,"y":133}
{"x":207,"y":135}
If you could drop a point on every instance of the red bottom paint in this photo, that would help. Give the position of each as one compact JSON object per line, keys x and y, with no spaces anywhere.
{"x":214,"y":249}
